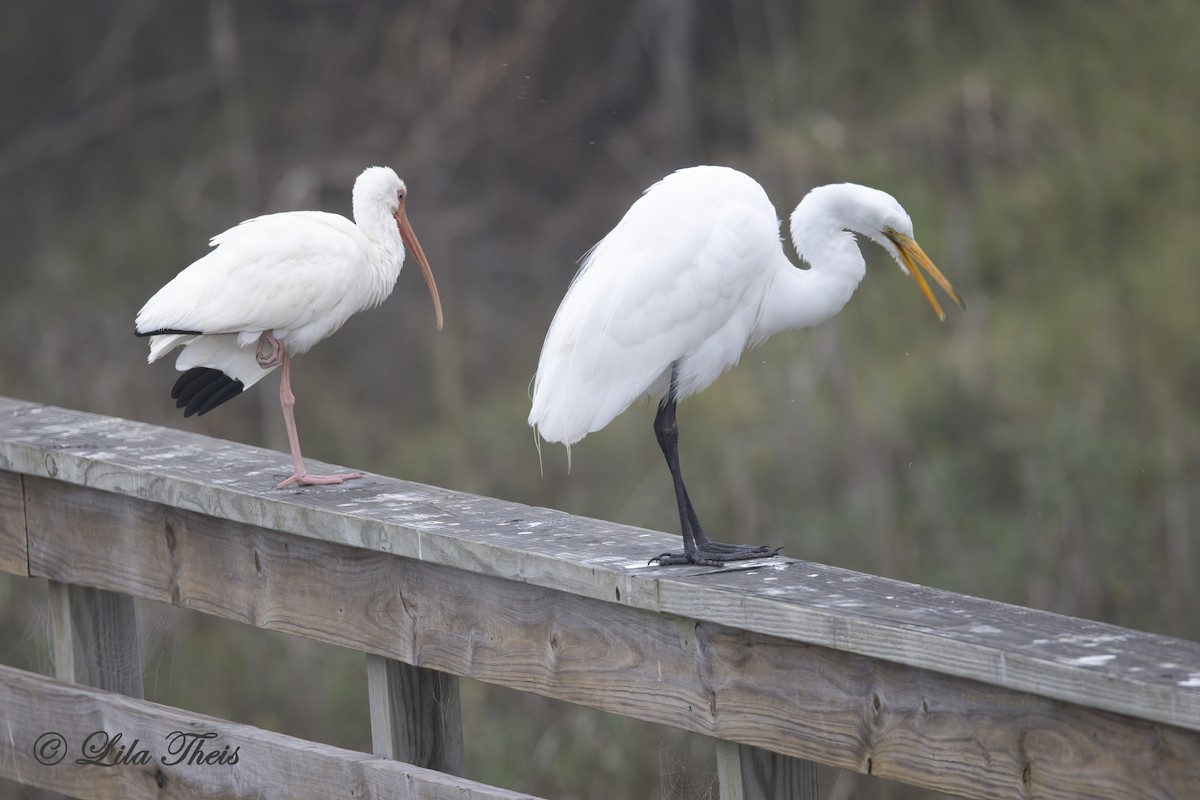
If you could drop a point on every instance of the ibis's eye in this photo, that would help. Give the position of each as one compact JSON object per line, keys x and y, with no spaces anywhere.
{"x":400,"y":195}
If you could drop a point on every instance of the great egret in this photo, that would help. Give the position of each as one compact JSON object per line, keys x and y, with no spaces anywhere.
{"x":692,"y":275}
{"x":273,"y":287}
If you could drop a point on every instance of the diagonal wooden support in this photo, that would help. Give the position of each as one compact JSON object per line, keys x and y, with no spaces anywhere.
{"x":231,"y":760}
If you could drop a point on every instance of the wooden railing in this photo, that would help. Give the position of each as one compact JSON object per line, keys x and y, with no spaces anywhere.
{"x":784,"y":662}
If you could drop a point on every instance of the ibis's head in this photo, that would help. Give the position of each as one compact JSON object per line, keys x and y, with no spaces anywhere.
{"x":380,"y":187}
{"x":880,"y":218}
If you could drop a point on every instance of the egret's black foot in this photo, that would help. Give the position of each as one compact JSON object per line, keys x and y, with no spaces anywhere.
{"x":708,"y":545}
{"x":714,"y":554}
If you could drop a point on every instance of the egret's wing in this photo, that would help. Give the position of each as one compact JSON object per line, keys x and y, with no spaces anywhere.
{"x":278,"y":271}
{"x":680,"y":276}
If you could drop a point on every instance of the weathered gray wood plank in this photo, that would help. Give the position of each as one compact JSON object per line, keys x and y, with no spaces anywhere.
{"x":269,"y":765}
{"x":12,"y":403}
{"x":833,"y":707}
{"x":13,"y":555}
{"x":415,"y":715}
{"x":1093,"y":664}
{"x":95,"y":638}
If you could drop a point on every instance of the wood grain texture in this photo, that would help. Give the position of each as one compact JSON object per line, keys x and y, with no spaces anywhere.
{"x":269,"y":765}
{"x":834,"y":707}
{"x":1092,"y":664}
{"x":415,"y":715}
{"x":750,"y":773}
{"x":13,"y":404}
{"x":95,"y":638}
{"x":13,"y":555}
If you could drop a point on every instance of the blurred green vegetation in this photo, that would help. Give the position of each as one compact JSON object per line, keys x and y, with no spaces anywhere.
{"x":1041,"y":447}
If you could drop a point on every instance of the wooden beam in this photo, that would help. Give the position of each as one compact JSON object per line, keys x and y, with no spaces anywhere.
{"x":834,"y":707}
{"x":749,"y":773}
{"x":246,"y":762}
{"x":415,"y":715}
{"x":14,"y":556}
{"x":94,"y":638}
{"x":13,"y":404}
{"x":1046,"y":655}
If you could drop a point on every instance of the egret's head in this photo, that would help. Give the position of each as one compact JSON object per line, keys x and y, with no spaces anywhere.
{"x":877,"y":215}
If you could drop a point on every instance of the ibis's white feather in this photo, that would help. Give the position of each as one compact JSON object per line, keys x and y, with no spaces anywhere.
{"x":299,"y":274}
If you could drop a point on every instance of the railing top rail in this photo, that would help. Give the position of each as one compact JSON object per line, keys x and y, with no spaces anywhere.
{"x":1091,"y":664}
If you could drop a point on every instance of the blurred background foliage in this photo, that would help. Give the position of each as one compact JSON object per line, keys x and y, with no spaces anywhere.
{"x":1039,"y":448}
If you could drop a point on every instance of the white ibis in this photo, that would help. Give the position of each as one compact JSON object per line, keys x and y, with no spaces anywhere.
{"x":693,"y":275}
{"x":274,"y":286}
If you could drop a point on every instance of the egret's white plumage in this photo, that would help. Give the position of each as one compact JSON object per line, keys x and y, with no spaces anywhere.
{"x":282,"y":282}
{"x":693,"y":275}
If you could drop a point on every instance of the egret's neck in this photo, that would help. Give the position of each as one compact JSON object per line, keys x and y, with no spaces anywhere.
{"x":800,"y":298}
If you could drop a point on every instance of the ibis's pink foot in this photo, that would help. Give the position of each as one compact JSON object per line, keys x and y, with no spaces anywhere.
{"x":318,"y":480}
{"x":269,"y":352}
{"x":287,"y":401}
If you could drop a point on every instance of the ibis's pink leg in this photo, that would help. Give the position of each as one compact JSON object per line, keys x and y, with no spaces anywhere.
{"x":272,"y":355}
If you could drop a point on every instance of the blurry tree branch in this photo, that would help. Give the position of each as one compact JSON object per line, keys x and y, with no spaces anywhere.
{"x":60,"y":138}
{"x":116,"y":47}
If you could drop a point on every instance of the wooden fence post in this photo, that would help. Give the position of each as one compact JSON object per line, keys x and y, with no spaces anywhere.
{"x":749,"y":773}
{"x":415,"y":715}
{"x":95,"y":638}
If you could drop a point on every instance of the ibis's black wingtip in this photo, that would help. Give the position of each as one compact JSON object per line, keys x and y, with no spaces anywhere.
{"x":201,"y":389}
{"x":164,"y":332}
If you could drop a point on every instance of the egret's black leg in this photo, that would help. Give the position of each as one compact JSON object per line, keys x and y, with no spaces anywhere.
{"x":667,"y":433}
{"x":704,"y":543}
{"x":694,"y":537}
{"x":697,"y":547}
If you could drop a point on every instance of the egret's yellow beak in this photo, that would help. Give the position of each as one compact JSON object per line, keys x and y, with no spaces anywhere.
{"x":914,"y":257}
